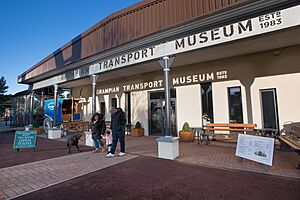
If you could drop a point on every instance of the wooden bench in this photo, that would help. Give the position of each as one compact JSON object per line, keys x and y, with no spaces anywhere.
{"x":291,"y":140}
{"x":227,"y":130}
{"x":77,"y":125}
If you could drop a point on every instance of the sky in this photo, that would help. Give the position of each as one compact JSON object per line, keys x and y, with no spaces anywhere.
{"x":30,"y":30}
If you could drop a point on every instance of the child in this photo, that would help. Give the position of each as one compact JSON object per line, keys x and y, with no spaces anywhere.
{"x":108,"y":139}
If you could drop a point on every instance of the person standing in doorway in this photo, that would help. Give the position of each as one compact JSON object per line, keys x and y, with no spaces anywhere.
{"x":98,"y":129}
{"x":118,"y":121}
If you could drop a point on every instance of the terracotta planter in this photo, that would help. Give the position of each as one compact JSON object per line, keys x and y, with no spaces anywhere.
{"x":137,"y":132}
{"x":38,"y":130}
{"x":186,"y":136}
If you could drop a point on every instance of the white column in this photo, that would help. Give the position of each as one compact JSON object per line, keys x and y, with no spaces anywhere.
{"x":31,"y":109}
{"x":55,"y":105}
{"x":94,"y":84}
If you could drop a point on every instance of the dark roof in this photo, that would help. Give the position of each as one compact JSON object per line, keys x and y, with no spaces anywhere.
{"x":22,"y":93}
{"x":134,"y":22}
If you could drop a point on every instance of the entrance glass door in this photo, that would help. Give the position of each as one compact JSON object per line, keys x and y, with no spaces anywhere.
{"x":269,"y":108}
{"x":157,"y":118}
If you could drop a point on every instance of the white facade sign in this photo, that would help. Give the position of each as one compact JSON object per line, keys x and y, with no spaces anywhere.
{"x":181,"y":80}
{"x":256,"y":148}
{"x":259,"y":25}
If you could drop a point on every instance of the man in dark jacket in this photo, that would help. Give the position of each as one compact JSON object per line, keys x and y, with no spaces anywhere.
{"x":118,"y":121}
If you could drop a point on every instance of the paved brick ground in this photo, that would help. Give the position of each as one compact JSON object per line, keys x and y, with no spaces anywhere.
{"x":21,"y":179}
{"x":45,"y":149}
{"x":148,"y":178}
{"x":26,"y":178}
{"x":219,"y":155}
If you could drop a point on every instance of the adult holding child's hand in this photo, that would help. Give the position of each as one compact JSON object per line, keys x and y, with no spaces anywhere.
{"x":118,"y":121}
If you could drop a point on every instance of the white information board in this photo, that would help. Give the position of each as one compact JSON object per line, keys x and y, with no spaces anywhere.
{"x":256,"y":148}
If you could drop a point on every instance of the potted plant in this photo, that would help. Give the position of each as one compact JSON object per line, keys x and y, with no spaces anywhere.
{"x":186,"y":134}
{"x":36,"y":127}
{"x":137,"y":131}
{"x":36,"y":121}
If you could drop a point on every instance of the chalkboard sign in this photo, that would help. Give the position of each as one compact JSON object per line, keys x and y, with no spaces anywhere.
{"x":24,"y":139}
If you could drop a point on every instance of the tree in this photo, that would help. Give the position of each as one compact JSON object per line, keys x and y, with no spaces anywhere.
{"x":3,"y":86}
{"x":5,"y":100}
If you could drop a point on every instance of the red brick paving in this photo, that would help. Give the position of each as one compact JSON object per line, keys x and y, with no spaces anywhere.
{"x":18,"y":180}
{"x":45,"y":149}
{"x":21,"y":179}
{"x":219,"y":155}
{"x":147,"y":178}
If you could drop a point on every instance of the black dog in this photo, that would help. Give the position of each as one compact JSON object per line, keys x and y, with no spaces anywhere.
{"x":73,"y":140}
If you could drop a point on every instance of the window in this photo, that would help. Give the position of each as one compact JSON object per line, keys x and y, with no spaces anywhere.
{"x":102,"y":108}
{"x":161,"y":94}
{"x":114,"y":102}
{"x":128,"y":107}
{"x":207,"y":102}
{"x":269,"y":108}
{"x":235,"y":105}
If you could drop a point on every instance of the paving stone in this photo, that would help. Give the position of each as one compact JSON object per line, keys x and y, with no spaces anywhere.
{"x":10,"y":193}
{"x":2,"y":197}
{"x":40,"y":174}
{"x":64,"y":168}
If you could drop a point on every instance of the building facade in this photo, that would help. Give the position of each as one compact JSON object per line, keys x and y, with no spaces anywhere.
{"x":232,"y":62}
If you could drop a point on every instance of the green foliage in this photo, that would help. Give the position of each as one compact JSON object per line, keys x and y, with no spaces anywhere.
{"x":35,"y":112}
{"x":3,"y":86}
{"x":186,"y":127}
{"x":35,"y":124}
{"x":5,"y":100}
{"x":138,"y":125}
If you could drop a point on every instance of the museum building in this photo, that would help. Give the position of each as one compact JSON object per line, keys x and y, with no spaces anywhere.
{"x":230,"y":61}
